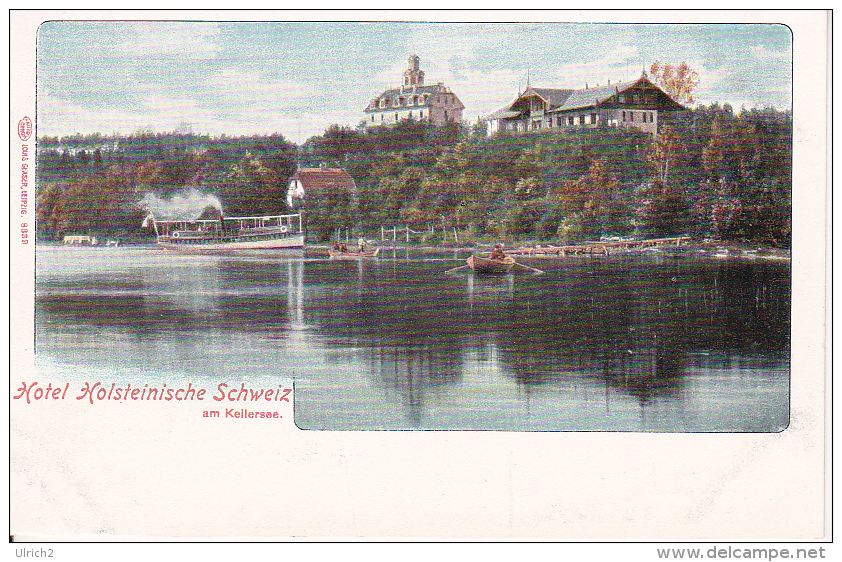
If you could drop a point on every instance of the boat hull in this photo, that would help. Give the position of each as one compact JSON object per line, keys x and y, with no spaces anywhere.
{"x":486,"y":266}
{"x":337,"y":255}
{"x":212,"y":245}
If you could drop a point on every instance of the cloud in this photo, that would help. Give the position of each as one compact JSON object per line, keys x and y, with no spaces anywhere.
{"x":180,"y":39}
{"x":760,"y":53}
{"x":59,"y":116}
{"x":234,"y":80}
{"x":239,"y":87}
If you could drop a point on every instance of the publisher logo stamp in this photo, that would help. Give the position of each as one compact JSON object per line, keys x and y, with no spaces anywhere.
{"x":25,"y":129}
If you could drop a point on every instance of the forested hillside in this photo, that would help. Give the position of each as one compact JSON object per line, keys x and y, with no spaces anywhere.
{"x":710,"y":173}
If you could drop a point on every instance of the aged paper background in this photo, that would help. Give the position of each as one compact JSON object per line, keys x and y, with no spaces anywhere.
{"x":129,"y":471}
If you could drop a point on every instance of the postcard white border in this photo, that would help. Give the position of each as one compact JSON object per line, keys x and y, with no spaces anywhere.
{"x":438,"y":485}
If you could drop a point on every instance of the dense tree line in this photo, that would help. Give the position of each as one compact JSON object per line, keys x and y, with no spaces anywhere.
{"x":710,"y":172}
{"x":95,"y":183}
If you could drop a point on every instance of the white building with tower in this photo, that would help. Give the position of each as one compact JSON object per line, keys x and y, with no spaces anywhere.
{"x":413,"y":100}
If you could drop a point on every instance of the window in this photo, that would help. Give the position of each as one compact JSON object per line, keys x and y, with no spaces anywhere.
{"x":570,"y":121}
{"x":624,"y":116}
{"x":421,"y":114}
{"x":593,"y":118}
{"x":651,"y":117}
{"x":396,"y":116}
{"x":372,"y":118}
{"x":644,"y":117}
{"x":622,"y":98}
{"x":383,"y":103}
{"x":559,"y":121}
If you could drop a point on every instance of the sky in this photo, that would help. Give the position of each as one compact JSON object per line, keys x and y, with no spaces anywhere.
{"x":298,"y":78}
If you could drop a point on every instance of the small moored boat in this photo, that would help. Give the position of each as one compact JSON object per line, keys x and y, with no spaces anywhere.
{"x":80,"y":240}
{"x":487,"y":266}
{"x":349,"y":255}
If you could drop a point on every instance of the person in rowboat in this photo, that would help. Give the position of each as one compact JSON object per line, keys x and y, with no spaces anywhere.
{"x":497,"y":253}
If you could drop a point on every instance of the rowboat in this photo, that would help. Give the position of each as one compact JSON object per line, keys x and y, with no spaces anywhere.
{"x":487,"y":266}
{"x":340,"y":255}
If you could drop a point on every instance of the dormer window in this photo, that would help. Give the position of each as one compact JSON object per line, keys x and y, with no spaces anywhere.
{"x":382,"y":104}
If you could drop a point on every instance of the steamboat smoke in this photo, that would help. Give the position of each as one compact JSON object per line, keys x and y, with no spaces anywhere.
{"x":188,"y":206}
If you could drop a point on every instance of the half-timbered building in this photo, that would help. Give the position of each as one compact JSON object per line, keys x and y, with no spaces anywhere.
{"x":639,"y":105}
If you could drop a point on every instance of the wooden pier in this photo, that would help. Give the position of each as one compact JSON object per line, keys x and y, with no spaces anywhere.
{"x":595,"y":248}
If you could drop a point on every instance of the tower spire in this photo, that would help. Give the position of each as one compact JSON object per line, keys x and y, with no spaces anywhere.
{"x":413,"y":75}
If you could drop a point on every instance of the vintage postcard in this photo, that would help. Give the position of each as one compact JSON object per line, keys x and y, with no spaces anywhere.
{"x":482,"y":275}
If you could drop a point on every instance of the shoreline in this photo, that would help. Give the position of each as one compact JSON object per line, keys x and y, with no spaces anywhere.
{"x":706,"y":248}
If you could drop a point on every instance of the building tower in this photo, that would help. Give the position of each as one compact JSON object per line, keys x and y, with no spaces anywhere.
{"x":413,"y":76}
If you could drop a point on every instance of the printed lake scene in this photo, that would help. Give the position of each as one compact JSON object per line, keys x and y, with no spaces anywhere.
{"x":588,"y":230}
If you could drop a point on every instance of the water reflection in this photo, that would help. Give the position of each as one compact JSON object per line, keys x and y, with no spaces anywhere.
{"x":593,"y":344}
{"x":624,"y":326}
{"x":158,"y":312}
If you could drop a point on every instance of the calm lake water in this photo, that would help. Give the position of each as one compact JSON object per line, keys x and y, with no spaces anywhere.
{"x":623,"y":343}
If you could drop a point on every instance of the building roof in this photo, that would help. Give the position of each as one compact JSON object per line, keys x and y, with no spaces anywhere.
{"x":588,"y":97}
{"x":407,"y":91}
{"x":324,"y":178}
{"x":503,"y":113}
{"x":563,"y":99}
{"x":554,"y":96}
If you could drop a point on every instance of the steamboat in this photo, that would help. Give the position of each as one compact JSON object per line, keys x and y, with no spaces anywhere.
{"x":265,"y":232}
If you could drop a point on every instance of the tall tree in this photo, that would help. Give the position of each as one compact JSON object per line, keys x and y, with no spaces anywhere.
{"x":678,"y":81}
